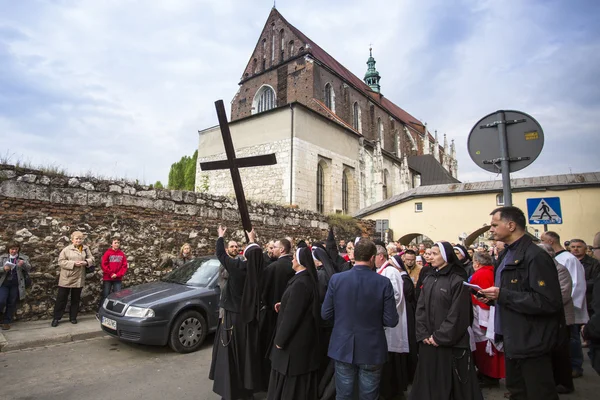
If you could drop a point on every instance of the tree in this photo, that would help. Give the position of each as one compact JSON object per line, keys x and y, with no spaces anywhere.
{"x":158,"y":185}
{"x":182,"y":175}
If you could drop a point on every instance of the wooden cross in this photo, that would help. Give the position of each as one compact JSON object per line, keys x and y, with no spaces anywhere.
{"x":233,"y":164}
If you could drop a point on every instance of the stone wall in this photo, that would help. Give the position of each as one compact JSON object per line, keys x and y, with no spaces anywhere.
{"x":41,"y":211}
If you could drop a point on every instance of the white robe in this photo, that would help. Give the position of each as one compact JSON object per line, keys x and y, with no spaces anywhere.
{"x":397,"y":337}
{"x":577,"y":273}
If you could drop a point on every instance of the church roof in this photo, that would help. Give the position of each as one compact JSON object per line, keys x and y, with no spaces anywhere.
{"x":325,"y":58}
{"x":432,"y":173}
{"x":537,"y":183}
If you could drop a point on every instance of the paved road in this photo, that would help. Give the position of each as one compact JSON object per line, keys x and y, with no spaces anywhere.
{"x":104,"y":368}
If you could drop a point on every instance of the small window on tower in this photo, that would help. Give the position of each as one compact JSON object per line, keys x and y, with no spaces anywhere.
{"x":329,"y":97}
{"x":418,"y":207}
{"x":500,"y":199}
{"x":281,"y":45}
{"x":291,"y":48}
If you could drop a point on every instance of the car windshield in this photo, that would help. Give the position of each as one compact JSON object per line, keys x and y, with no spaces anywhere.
{"x":198,"y":272}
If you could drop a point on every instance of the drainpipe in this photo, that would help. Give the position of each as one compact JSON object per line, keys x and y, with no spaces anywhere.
{"x":291,"y":155}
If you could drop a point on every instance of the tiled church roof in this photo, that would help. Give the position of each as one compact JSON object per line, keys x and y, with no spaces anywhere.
{"x":321,"y":55}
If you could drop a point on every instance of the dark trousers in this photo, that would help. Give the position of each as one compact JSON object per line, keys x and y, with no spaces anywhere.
{"x":561,"y":360}
{"x":109,"y":287}
{"x":575,"y":348}
{"x":9,"y":295}
{"x":530,"y":378}
{"x":61,"y":302}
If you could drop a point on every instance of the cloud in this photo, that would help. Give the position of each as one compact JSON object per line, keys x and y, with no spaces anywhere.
{"x":121,"y":87}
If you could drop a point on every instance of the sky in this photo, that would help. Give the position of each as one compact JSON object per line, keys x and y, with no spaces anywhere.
{"x":119,"y":88}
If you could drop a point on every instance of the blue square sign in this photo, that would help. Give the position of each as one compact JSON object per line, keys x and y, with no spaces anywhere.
{"x":545,"y":210}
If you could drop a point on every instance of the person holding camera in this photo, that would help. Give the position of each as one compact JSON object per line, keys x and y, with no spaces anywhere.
{"x":15,"y":269}
{"x":73,"y":261}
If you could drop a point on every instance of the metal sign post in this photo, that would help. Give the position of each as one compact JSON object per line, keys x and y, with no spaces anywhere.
{"x":518,"y":142}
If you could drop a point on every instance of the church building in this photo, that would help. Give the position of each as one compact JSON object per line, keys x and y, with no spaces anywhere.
{"x":340,"y":144}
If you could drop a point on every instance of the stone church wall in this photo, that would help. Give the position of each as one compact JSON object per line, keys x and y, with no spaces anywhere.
{"x":41,"y":211}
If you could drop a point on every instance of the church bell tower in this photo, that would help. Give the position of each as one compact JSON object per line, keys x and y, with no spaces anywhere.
{"x":372,"y":76}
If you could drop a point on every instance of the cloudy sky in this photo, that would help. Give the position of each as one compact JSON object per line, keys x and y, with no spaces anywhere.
{"x":120,"y":87}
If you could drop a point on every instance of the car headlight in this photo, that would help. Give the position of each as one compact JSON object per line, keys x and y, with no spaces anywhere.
{"x":138,"y":312}
{"x":105,"y":303}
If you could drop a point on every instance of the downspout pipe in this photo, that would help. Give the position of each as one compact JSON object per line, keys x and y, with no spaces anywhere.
{"x":291,"y":154}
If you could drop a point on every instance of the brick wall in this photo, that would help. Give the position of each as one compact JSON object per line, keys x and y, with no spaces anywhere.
{"x":41,"y":211}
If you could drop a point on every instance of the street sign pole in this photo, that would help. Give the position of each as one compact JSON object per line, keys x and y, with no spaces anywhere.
{"x":504,"y":159}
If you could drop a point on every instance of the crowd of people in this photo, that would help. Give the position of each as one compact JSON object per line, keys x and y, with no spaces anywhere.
{"x":365,"y":319}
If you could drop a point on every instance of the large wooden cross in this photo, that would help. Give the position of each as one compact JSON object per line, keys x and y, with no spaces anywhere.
{"x":233,"y":164}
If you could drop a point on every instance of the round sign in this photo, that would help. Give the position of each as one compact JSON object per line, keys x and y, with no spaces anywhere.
{"x":524,"y":137}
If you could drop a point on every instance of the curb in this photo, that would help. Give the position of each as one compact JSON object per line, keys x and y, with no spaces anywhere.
{"x":65,"y":338}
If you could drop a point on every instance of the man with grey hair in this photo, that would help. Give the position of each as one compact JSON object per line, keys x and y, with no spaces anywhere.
{"x":392,"y":250}
{"x":591,"y":267}
{"x":561,"y":361}
{"x":578,"y":294}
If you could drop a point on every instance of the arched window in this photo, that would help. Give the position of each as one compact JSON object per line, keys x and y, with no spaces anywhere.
{"x":254,"y":66}
{"x":380,"y":131}
{"x":356,"y":118}
{"x":273,"y":45}
{"x":264,"y":51}
{"x":329,"y":97}
{"x":345,"y":193}
{"x":281,"y":45}
{"x":263,"y":100}
{"x":386,"y":177}
{"x":320,"y":189}
{"x":397,"y":144}
{"x":291,"y":48}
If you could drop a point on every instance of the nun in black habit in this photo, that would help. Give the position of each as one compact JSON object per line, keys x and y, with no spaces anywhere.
{"x":236,"y":362}
{"x":295,"y":352}
{"x":445,"y":370}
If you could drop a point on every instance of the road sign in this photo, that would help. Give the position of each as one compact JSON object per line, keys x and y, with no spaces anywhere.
{"x":514,"y":142}
{"x":545,"y":210}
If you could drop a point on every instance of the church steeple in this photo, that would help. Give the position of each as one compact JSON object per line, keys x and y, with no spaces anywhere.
{"x":372,"y":76}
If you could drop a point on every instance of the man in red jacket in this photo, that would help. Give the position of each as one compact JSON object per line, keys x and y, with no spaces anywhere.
{"x":114,"y":267}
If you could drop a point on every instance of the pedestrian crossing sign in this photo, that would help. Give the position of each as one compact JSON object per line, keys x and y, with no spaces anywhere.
{"x":544,"y":210}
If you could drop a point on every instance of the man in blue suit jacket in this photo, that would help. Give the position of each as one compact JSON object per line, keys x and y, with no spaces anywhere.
{"x":361,"y":303}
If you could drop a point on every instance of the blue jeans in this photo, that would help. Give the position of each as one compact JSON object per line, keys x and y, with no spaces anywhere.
{"x":575,"y":348}
{"x":109,"y":287}
{"x":9,"y":295}
{"x":369,"y":377}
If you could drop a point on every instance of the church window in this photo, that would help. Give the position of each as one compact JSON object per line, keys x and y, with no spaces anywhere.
{"x":320,"y":189}
{"x":356,"y":118}
{"x":291,"y":48}
{"x":282,"y":45}
{"x":380,"y":131}
{"x":345,"y":193}
{"x":264,"y":51}
{"x":329,"y":97}
{"x":386,"y":177}
{"x":273,"y":46}
{"x":264,"y":100}
{"x":397,"y":144}
{"x":254,"y":66}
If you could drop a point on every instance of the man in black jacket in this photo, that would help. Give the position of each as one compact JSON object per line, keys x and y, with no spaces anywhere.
{"x":528,"y":307}
{"x":591,"y":331}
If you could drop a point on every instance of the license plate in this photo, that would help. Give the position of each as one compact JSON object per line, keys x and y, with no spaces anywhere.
{"x":109,"y":323}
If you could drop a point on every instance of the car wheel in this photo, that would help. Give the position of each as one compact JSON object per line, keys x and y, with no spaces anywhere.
{"x":188,"y":332}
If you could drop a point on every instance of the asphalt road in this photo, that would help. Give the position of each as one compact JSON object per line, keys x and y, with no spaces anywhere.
{"x":104,"y":368}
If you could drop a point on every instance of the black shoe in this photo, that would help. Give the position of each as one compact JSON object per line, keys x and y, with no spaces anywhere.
{"x":73,"y":321}
{"x":561,"y":389}
{"x":54,"y":323}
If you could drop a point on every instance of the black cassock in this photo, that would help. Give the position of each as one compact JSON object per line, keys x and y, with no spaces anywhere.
{"x":443,"y":310}
{"x":275,"y":279}
{"x":294,"y":367}
{"x":235,"y":367}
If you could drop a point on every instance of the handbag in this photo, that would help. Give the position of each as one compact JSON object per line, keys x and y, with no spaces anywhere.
{"x":27,"y":279}
{"x":90,"y":268}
